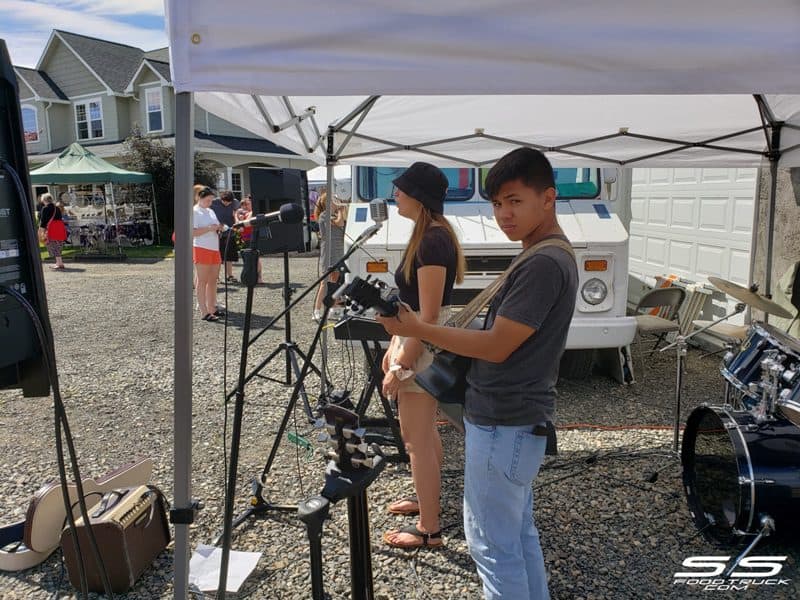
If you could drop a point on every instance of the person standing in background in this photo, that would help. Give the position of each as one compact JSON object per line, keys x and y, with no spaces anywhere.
{"x":245,"y":212}
{"x":330,"y":250}
{"x":205,"y":253}
{"x":225,"y":208}
{"x":56,"y":232}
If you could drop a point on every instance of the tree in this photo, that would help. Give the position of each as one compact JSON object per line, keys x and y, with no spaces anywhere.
{"x":153,"y":156}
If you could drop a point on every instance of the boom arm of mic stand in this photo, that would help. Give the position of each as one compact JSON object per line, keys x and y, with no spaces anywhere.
{"x":338,"y":266}
{"x":739,"y":308}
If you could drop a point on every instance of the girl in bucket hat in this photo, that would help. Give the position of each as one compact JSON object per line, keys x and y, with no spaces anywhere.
{"x":432,"y":263}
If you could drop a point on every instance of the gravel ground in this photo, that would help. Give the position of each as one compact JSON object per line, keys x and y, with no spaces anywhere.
{"x":606,"y":531}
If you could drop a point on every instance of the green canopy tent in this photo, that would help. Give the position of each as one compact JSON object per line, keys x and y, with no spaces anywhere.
{"x":77,"y":165}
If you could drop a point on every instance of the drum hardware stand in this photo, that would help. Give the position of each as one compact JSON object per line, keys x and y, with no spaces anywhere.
{"x":767,"y":527}
{"x":257,"y":502}
{"x":681,"y":344}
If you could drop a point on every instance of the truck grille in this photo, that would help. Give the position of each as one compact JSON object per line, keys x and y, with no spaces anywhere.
{"x":487,"y":265}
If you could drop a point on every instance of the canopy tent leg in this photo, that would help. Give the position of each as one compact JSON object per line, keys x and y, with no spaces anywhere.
{"x":154,"y":215}
{"x":116,"y":221}
{"x":182,"y":419}
{"x":326,"y":229}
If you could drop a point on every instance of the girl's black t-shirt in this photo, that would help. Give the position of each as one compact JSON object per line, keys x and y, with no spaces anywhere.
{"x":436,"y":248}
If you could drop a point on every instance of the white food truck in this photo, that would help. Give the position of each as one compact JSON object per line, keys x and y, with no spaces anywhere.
{"x":584,"y":213}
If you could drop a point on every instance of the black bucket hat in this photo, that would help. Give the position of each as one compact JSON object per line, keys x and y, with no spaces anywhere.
{"x":425,"y":183}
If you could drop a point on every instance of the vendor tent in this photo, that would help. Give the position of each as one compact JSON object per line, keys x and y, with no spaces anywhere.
{"x":621,"y":82}
{"x":77,"y":165}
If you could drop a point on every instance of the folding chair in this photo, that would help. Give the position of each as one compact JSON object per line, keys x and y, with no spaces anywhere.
{"x":668,"y":301}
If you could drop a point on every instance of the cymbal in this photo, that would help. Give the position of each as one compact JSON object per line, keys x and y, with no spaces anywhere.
{"x":752,"y":299}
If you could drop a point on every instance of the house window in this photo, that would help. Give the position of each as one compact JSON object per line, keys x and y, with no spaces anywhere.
{"x":155,"y":113}
{"x":89,"y":119}
{"x":236,"y":185}
{"x":30,"y":123}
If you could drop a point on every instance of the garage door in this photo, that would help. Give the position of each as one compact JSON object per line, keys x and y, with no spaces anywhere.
{"x":692,"y":223}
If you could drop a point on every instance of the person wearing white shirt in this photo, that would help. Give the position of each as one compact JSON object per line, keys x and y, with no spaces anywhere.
{"x":205,"y":252}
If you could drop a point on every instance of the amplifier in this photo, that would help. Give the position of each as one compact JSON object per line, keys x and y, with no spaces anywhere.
{"x":130,"y":525}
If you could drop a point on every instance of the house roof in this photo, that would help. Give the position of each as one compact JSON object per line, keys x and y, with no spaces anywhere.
{"x":159,"y":54}
{"x":241,"y":144}
{"x":41,"y":84}
{"x":114,"y":63}
{"x":161,"y":67}
{"x":203,"y":143}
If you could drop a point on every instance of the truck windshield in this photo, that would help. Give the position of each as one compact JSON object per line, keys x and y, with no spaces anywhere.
{"x":570,"y":183}
{"x":376,"y":182}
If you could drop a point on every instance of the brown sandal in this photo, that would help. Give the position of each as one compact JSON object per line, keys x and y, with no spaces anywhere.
{"x":426,"y":540}
{"x":406,"y":512}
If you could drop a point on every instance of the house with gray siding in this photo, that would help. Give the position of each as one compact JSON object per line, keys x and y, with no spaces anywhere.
{"x":97,"y":91}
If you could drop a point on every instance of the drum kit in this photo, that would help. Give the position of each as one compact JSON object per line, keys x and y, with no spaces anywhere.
{"x":741,"y":459}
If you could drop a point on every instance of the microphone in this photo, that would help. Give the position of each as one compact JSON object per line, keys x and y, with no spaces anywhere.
{"x":368,"y":233}
{"x":288,"y":213}
{"x":378,"y":210}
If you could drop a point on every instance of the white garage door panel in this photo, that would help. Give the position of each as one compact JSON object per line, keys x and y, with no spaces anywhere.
{"x":743,"y":215}
{"x":692,"y":222}
{"x":740,"y":263}
{"x":657,"y":252}
{"x":680,"y":255}
{"x":714,"y":214}
{"x":711,"y":261}
{"x":658,"y":211}
{"x":683,"y":212}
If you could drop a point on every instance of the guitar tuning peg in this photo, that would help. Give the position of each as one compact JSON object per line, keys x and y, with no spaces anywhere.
{"x":330,"y":454}
{"x":353,"y":448}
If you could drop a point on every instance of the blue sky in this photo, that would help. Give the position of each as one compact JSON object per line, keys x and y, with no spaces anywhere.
{"x":25,"y":25}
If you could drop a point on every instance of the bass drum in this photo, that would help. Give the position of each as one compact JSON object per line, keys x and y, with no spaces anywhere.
{"x":736,"y":471}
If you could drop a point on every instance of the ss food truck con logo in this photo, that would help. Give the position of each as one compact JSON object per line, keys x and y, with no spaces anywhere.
{"x":706,"y":572}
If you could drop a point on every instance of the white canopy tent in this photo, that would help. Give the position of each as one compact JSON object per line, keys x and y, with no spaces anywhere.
{"x":624,"y":82}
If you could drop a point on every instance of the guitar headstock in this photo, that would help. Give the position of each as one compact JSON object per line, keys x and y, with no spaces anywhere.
{"x":362,"y":294}
{"x":345,"y":437}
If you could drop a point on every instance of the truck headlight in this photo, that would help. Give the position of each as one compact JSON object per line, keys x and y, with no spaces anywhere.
{"x":594,"y":291}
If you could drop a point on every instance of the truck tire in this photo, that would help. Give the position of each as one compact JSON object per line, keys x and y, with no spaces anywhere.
{"x":576,"y":364}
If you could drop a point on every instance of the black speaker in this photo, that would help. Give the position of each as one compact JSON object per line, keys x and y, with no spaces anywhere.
{"x":21,"y":358}
{"x":272,"y":188}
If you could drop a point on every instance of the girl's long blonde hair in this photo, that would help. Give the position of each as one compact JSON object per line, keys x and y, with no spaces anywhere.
{"x":426,"y":220}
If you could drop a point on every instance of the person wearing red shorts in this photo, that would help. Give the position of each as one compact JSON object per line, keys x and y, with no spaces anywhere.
{"x":205,"y":252}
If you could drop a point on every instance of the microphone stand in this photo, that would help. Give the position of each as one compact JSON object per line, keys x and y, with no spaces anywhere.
{"x":258,"y":503}
{"x":681,"y":344}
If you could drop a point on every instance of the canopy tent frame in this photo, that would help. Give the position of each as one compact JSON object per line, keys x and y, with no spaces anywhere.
{"x":183,"y":292}
{"x":451,"y":48}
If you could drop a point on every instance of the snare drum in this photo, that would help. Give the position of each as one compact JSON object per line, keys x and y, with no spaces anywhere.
{"x":744,"y":368}
{"x":736,"y":471}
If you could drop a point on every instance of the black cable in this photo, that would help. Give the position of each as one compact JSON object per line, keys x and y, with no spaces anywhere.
{"x":45,"y":337}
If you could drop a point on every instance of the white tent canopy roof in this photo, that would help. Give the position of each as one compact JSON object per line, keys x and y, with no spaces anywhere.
{"x":539,"y":73}
{"x":400,"y":129}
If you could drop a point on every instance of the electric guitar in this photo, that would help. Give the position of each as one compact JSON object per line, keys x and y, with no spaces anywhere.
{"x":28,"y":543}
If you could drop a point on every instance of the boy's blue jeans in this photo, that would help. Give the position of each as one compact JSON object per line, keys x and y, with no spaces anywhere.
{"x":500,"y":465}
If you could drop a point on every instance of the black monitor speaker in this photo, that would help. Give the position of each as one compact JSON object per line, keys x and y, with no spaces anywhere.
{"x":21,"y":357}
{"x":272,"y":188}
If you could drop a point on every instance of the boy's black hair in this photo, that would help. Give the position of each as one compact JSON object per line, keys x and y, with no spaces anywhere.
{"x":527,"y":165}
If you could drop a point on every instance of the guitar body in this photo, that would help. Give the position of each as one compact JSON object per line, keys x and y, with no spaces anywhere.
{"x":44,"y":521}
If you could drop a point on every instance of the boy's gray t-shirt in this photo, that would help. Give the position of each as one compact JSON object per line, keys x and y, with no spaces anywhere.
{"x":521,"y":390}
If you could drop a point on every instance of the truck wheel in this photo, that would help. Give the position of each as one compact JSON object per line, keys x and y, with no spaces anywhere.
{"x":576,"y":364}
